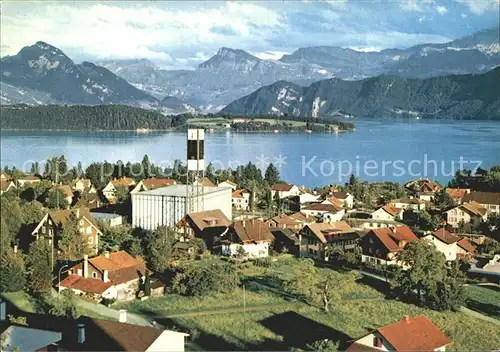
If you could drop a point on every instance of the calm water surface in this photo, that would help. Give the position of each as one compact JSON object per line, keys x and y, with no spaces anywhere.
{"x":377,"y":150}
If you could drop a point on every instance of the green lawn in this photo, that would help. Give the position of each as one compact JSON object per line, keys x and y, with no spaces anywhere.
{"x":484,"y":299}
{"x":284,"y":324}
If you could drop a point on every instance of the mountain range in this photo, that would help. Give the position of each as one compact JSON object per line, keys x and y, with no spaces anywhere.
{"x":43,"y":74}
{"x":233,"y":73}
{"x":471,"y":96}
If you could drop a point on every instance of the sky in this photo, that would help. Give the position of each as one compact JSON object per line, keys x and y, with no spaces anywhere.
{"x":180,"y":35}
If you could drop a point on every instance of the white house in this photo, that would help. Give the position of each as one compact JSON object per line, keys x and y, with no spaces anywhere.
{"x":308,"y":198}
{"x":326,"y":212}
{"x":345,"y":198}
{"x":240,"y":199}
{"x":247,"y":238}
{"x":450,"y":245}
{"x":387,"y":212}
{"x":109,"y":191}
{"x":229,"y":184}
{"x":409,"y":203}
{"x":489,"y":200}
{"x":409,"y":334}
{"x":285,"y":190}
{"x":468,"y":213}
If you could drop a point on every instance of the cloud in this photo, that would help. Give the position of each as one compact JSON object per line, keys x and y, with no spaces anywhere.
{"x":411,"y":6}
{"x":441,"y":10}
{"x":270,"y":55}
{"x":478,"y":7}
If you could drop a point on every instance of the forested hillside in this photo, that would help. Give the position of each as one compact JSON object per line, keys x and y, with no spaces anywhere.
{"x":82,"y":117}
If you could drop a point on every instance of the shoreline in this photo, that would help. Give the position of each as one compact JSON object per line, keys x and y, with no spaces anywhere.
{"x":164,"y":130}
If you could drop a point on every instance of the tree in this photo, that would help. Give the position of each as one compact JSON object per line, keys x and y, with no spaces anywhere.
{"x":272,"y":174}
{"x":73,"y":244}
{"x":56,"y":200}
{"x":426,"y":267}
{"x":324,"y":346}
{"x":420,"y":220}
{"x":161,"y":248}
{"x":11,"y":217}
{"x":199,"y":245}
{"x":114,"y":238}
{"x":12,"y":270}
{"x":64,"y":305}
{"x":32,"y":212}
{"x":200,"y":279}
{"x":443,"y":200}
{"x":122,"y":193}
{"x":353,"y":180}
{"x":39,"y":266}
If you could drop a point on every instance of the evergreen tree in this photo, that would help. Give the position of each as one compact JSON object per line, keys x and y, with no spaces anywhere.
{"x":272,"y":175}
{"x":161,"y":248}
{"x":39,"y":266}
{"x":56,"y":200}
{"x":146,"y":167}
{"x":73,"y":244}
{"x":12,"y":270}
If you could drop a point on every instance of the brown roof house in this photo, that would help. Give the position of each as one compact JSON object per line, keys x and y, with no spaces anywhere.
{"x":489,"y":200}
{"x":6,"y":185}
{"x":325,"y":212}
{"x":240,"y":199}
{"x":458,"y":193}
{"x":284,"y":190}
{"x":294,"y":221}
{"x":52,"y":225}
{"x":409,"y":334}
{"x":388,"y":212}
{"x":152,"y":183}
{"x":316,"y":238}
{"x":381,"y":246}
{"x":115,"y":275}
{"x":471,"y":213}
{"x":450,"y":245}
{"x":109,"y":191}
{"x":247,"y":239}
{"x":409,"y":203}
{"x":44,"y":332}
{"x":209,"y":225}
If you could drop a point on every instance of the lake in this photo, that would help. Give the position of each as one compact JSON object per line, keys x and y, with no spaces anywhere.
{"x":378,"y":150}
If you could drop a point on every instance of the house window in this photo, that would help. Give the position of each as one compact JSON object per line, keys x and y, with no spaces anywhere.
{"x":81,"y":222}
{"x":94,"y":275}
{"x":377,"y":342}
{"x":89,"y":230}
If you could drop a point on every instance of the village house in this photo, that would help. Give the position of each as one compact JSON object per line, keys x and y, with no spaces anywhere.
{"x":333,"y":201}
{"x":110,"y":190}
{"x":345,"y":198}
{"x":52,"y":225}
{"x":247,"y":238}
{"x":209,"y":225}
{"x":6,"y":185}
{"x":458,"y":193}
{"x":489,"y":200}
{"x":65,"y":190}
{"x":409,"y":334}
{"x":283,"y":221}
{"x":471,"y":213}
{"x":368,"y":224}
{"x":83,"y":185}
{"x":284,"y":190}
{"x":306,"y":197}
{"x":88,"y":200}
{"x":22,"y":331}
{"x":205,"y":182}
{"x":241,"y":199}
{"x":316,"y":238}
{"x":152,"y":183}
{"x":325,"y":212}
{"x":423,"y":185}
{"x":115,"y":275}
{"x":27,"y":180}
{"x":452,"y":246}
{"x":285,"y":240}
{"x":229,"y":184}
{"x":409,"y":203}
{"x":381,"y":246}
{"x":387,"y":212}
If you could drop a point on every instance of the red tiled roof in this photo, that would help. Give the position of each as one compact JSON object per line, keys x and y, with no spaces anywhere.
{"x":388,"y":236}
{"x":302,"y":217}
{"x":465,"y":244}
{"x":239,"y":193}
{"x":285,"y":219}
{"x":457,"y":193}
{"x":123,"y":182}
{"x":323,"y":207}
{"x":116,"y":261}
{"x":414,"y":334}
{"x":85,"y":284}
{"x":322,"y":230}
{"x":445,"y":236}
{"x":383,"y":235}
{"x":205,"y":219}
{"x":252,"y":231}
{"x":403,"y":233}
{"x":152,"y":183}
{"x":392,"y":210}
{"x":336,"y":202}
{"x":281,"y":187}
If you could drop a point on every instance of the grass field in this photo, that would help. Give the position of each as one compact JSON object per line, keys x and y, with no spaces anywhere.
{"x":484,"y":299}
{"x":283,"y":324}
